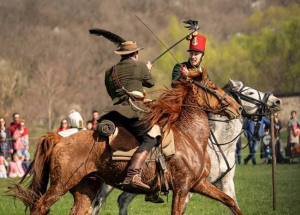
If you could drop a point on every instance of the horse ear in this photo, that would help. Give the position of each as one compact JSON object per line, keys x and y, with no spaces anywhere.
{"x":231,"y":82}
{"x":235,"y":85}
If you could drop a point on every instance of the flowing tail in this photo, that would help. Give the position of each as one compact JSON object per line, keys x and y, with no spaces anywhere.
{"x":40,"y":166}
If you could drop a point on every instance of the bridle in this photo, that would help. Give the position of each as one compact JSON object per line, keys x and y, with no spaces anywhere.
{"x":261,"y":103}
{"x":215,"y":93}
{"x":262,"y":109}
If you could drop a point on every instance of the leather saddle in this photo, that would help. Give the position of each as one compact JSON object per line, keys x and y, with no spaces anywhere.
{"x":123,"y":144}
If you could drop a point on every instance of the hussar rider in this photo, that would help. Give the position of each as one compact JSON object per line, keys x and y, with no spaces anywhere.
{"x":192,"y":67}
{"x":124,"y":83}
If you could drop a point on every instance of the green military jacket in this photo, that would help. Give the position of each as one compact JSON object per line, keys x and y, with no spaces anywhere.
{"x":133,"y":75}
{"x":176,"y":75}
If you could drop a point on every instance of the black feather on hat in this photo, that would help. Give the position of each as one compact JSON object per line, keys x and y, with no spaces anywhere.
{"x":124,"y":47}
{"x":117,"y":40}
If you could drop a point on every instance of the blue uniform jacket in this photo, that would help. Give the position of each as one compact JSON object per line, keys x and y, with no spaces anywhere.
{"x":249,"y":125}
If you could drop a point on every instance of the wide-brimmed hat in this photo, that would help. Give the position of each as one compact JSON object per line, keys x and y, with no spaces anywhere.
{"x":127,"y":48}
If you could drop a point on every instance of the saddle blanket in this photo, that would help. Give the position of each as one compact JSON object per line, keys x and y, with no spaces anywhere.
{"x":69,"y":132}
{"x":167,"y":147}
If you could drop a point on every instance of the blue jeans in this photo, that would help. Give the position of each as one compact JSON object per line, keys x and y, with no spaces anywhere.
{"x":238,"y":151}
{"x":253,"y":145}
{"x":24,"y":152}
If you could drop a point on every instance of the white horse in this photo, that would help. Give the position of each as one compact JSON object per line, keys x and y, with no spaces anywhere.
{"x":225,"y":132}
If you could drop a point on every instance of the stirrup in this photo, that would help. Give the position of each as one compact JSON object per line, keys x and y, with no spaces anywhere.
{"x":126,"y":183}
{"x":139,"y":185}
{"x":154,"y":198}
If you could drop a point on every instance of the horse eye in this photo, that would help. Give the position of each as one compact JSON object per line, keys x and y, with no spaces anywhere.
{"x":250,"y":93}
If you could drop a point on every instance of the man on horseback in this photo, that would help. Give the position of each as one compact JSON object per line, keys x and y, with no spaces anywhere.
{"x":192,"y":67}
{"x":124,"y":83}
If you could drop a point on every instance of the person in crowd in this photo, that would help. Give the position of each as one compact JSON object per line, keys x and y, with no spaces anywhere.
{"x":89,"y":125}
{"x":3,"y":165}
{"x":238,"y":151}
{"x":252,"y":140}
{"x":294,"y":119}
{"x":63,"y":125}
{"x":15,"y":167}
{"x":21,"y":138}
{"x":294,"y":135}
{"x":266,"y":153}
{"x":26,"y":162}
{"x":15,"y":124}
{"x":6,"y":143}
{"x":94,"y":119}
{"x":278,"y":146}
{"x":290,"y":126}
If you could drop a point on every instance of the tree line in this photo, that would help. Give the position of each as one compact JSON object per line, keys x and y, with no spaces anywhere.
{"x":49,"y":64}
{"x":264,"y":55}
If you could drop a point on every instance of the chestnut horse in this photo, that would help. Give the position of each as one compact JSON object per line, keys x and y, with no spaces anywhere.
{"x":182,"y":109}
{"x":85,"y":192}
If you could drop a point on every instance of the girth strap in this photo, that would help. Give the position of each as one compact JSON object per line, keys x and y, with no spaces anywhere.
{"x":213,"y":139}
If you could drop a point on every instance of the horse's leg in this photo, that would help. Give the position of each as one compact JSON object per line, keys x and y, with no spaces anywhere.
{"x":189,"y":196}
{"x":53,"y":194}
{"x":229,"y":189}
{"x":101,"y":198}
{"x":56,"y":190}
{"x":207,"y":189}
{"x":84,"y":193}
{"x":178,"y":201}
{"x":124,"y":200}
{"x":82,"y":203}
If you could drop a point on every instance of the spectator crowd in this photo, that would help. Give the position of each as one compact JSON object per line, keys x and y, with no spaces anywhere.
{"x":263,"y":135}
{"x":14,"y":149}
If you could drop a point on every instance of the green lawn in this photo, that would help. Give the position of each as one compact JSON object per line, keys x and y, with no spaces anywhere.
{"x":253,"y":187}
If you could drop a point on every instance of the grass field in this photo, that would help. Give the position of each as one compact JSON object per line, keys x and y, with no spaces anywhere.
{"x":253,"y":188}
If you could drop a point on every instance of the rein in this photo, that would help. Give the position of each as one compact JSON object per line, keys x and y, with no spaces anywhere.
{"x":262,"y":109}
{"x":212,"y":137}
{"x":214,"y":141}
{"x":215,"y":93}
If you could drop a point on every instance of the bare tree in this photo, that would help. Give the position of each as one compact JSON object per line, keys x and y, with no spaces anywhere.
{"x":51,"y":83}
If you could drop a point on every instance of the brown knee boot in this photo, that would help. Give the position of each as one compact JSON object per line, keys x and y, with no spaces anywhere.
{"x":133,"y":177}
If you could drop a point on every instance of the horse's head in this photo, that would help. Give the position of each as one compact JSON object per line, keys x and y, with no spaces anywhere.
{"x":203,"y":95}
{"x":253,"y":101}
{"x":213,"y":99}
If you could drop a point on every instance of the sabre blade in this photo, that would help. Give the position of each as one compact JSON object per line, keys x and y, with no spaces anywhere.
{"x":191,"y":25}
{"x":158,"y":40}
{"x":172,"y":46}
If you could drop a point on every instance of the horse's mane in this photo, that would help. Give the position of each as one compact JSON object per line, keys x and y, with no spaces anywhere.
{"x":167,"y":108}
